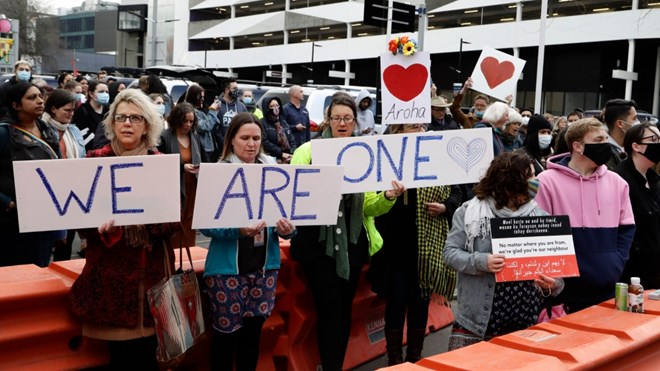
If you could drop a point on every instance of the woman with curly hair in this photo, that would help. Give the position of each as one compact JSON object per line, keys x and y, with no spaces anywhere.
{"x":485,"y":308}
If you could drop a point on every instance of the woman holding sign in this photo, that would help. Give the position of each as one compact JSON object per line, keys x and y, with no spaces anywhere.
{"x":408,"y":270}
{"x":23,"y":136}
{"x":123,"y":263}
{"x":487,"y":308}
{"x":332,"y":256}
{"x":242,"y":264}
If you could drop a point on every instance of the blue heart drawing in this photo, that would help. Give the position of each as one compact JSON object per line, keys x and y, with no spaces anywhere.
{"x":466,"y":155}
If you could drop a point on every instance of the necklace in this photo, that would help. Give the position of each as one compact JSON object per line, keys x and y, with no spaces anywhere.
{"x":184,"y":141}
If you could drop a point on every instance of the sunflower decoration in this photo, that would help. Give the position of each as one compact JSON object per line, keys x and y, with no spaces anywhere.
{"x":403,"y":45}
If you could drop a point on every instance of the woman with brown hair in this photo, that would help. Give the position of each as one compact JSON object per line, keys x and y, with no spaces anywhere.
{"x":332,"y":256}
{"x":23,"y":136}
{"x":485,"y":308}
{"x":240,"y":273}
{"x":181,"y":137}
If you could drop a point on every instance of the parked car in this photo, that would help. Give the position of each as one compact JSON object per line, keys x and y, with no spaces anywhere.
{"x":186,"y":74}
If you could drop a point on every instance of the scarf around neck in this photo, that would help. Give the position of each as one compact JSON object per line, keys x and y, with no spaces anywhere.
{"x":479,"y":212}
{"x":70,"y":145}
{"x":140,"y":150}
{"x":336,"y":244}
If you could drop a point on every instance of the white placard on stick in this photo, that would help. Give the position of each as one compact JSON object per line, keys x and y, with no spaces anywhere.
{"x":417,"y":160}
{"x":406,"y":92}
{"x":72,"y":194}
{"x":496,"y":73}
{"x":239,"y":195}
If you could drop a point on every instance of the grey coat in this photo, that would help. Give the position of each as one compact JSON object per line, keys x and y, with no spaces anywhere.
{"x":476,"y":285}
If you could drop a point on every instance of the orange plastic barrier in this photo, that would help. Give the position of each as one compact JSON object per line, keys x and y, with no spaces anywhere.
{"x":36,"y":329}
{"x":599,"y":337}
{"x":37,"y":332}
{"x":297,"y":349}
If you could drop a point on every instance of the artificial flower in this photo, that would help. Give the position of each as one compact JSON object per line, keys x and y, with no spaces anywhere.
{"x":403,"y":45}
{"x":409,"y":48}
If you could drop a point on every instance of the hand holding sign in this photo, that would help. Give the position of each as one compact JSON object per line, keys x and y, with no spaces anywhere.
{"x":496,"y":73}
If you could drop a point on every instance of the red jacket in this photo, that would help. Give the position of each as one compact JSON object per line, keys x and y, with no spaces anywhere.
{"x":107,"y":291}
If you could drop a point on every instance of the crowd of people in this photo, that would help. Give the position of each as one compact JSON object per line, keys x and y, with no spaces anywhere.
{"x":422,"y":245}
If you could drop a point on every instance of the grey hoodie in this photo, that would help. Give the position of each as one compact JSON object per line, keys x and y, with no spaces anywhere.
{"x":365,"y":118}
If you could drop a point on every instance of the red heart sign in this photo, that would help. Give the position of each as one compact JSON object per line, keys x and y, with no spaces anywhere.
{"x":405,"y":83}
{"x":496,"y":72}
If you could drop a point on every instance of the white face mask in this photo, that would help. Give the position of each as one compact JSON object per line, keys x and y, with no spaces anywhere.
{"x":525,"y":120}
{"x":544,"y":140}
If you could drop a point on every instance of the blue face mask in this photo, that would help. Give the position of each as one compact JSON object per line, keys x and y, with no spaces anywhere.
{"x":479,"y":114}
{"x":80,"y":97}
{"x":160,"y":108}
{"x":23,"y":75}
{"x":247,"y":100}
{"x":102,"y":98}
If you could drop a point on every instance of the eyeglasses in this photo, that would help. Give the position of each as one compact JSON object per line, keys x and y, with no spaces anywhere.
{"x":654,"y":139}
{"x":134,"y":119}
{"x":347,"y":120}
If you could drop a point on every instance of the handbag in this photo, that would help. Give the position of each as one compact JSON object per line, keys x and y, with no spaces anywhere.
{"x":552,"y":308}
{"x":175,"y":303}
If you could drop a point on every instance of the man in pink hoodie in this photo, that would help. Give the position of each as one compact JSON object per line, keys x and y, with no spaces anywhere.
{"x":596,"y":200}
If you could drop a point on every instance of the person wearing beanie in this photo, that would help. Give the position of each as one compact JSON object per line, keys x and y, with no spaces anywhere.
{"x":511,"y":132}
{"x":439,"y":118}
{"x":537,"y":142}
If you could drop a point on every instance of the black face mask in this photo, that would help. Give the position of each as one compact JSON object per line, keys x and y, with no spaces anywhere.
{"x":652,"y":152}
{"x":599,"y":153}
{"x":233,"y":94}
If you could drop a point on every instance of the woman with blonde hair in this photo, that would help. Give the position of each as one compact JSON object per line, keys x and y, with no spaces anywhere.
{"x":124,"y":262}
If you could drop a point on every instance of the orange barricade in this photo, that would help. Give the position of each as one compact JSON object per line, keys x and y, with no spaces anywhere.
{"x":599,"y":337}
{"x":37,"y":332}
{"x":36,"y":329}
{"x":297,"y":349}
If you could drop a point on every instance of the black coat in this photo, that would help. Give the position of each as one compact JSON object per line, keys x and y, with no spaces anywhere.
{"x":645,"y":249}
{"x":269,"y":140}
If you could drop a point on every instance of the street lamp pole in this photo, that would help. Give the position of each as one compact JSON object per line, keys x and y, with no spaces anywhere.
{"x":314,"y":45}
{"x":460,"y":60}
{"x":154,"y":33}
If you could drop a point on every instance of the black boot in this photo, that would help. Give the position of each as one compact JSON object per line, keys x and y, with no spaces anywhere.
{"x":415,"y":344}
{"x":393,"y":345}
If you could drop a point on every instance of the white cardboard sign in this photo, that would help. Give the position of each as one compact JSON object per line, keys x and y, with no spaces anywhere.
{"x":417,"y":160}
{"x":239,"y":195}
{"x":72,"y":194}
{"x":406,"y":88}
{"x":496,"y":73}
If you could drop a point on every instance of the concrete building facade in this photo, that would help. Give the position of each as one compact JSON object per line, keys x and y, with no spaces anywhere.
{"x":585,"y":41}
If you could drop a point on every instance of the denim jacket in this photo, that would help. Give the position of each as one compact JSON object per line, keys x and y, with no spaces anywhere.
{"x":476,"y":285}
